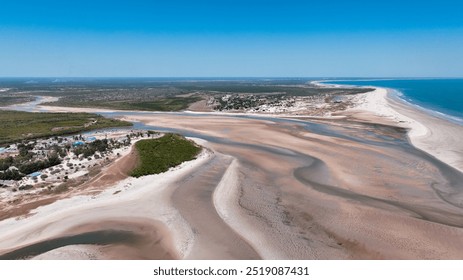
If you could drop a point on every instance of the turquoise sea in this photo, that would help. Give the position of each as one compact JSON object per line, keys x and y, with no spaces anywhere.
{"x":443,"y":97}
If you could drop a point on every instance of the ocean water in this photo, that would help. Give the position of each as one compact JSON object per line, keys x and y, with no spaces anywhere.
{"x":443,"y":97}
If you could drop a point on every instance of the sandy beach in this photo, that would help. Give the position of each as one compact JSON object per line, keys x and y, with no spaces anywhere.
{"x":371,"y":183}
{"x":434,"y":135}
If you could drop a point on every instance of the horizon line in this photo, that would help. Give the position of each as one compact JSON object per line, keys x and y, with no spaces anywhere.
{"x":231,"y":77}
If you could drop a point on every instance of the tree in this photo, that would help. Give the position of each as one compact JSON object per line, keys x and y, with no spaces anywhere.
{"x":53,"y":159}
{"x":11,"y":175}
{"x":6,"y":163}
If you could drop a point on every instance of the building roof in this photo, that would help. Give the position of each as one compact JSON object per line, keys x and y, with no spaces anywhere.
{"x":35,"y":174}
{"x":78,"y":143}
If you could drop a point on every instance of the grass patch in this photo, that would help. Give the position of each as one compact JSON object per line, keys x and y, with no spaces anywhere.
{"x":160,"y":104}
{"x":16,"y":126}
{"x":165,"y":104}
{"x":158,"y":155}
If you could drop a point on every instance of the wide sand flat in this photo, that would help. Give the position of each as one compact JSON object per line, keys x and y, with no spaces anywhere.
{"x":334,"y":191}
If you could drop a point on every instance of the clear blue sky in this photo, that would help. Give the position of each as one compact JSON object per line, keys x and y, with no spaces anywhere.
{"x":231,"y":38}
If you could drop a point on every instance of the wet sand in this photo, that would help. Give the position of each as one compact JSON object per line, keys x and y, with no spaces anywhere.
{"x":350,"y":191}
{"x":214,"y":239}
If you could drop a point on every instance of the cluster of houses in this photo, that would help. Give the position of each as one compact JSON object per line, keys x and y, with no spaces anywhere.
{"x":316,"y":105}
{"x":42,"y":146}
{"x":72,"y":165}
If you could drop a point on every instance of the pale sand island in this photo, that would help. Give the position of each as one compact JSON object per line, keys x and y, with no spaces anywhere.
{"x":353,"y":185}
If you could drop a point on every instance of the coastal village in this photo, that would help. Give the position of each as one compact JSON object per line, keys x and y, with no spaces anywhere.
{"x":316,"y":105}
{"x":51,"y":164}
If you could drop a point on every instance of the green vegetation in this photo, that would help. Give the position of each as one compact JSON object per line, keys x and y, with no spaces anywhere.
{"x":16,"y":126}
{"x":285,"y":87}
{"x":89,"y":149}
{"x":158,"y":155}
{"x":24,"y":162}
{"x":164,"y":104}
{"x":158,"y":104}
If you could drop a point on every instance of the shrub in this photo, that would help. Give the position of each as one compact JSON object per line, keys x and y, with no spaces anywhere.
{"x":158,"y":155}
